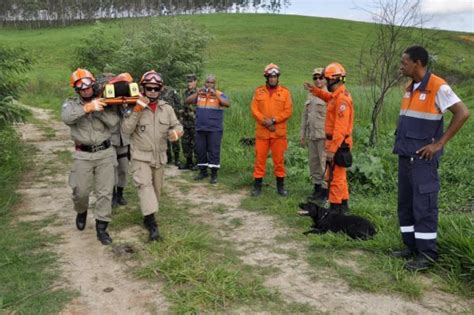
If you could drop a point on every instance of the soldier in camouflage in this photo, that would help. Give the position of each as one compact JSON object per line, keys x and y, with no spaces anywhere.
{"x":170,"y":96}
{"x":187,"y":115}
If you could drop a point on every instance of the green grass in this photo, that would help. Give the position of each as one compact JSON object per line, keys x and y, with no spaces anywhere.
{"x":243,"y":44}
{"x":201,"y":273}
{"x":29,"y":279}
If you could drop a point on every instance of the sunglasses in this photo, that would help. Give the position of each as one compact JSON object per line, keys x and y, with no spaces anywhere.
{"x":152,"y":89}
{"x":318,"y":78}
{"x":83,"y":84}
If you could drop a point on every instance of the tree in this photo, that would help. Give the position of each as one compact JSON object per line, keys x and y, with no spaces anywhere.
{"x":399,"y":24}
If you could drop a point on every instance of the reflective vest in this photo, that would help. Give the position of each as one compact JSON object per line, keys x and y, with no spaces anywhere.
{"x":209,"y":112}
{"x":420,"y":122}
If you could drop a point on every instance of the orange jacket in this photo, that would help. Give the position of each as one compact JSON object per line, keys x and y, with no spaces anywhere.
{"x":339,"y":117}
{"x":278,"y":106}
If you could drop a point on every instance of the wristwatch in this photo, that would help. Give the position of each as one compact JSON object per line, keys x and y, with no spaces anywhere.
{"x":273,"y":121}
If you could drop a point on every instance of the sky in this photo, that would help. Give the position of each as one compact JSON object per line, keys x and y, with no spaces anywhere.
{"x":454,"y":15}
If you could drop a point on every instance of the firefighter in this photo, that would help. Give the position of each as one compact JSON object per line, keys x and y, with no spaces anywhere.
{"x":151,"y":123}
{"x":94,"y":158}
{"x":338,"y":129}
{"x":271,"y":108}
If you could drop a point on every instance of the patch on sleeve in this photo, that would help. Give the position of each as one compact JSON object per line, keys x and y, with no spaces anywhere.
{"x":342,"y":109}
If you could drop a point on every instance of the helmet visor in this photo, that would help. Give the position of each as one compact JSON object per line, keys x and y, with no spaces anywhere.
{"x":84,"y":83}
{"x":272,"y":71}
{"x":152,"y":77}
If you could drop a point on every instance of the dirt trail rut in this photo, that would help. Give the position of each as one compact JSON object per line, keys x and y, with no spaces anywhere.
{"x":103,"y":283}
{"x":259,"y":238}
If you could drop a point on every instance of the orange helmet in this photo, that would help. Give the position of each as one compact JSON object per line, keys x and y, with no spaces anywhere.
{"x":271,"y":69}
{"x":81,"y":78}
{"x":334,"y":71}
{"x":151,"y":77}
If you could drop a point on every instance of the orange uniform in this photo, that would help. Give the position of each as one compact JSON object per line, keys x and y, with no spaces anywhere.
{"x":338,"y":128}
{"x":268,"y":103}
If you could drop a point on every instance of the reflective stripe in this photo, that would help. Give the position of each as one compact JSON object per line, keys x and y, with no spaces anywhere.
{"x":425,"y":236}
{"x":202,"y":164}
{"x":214,"y":166}
{"x":422,"y":115}
{"x":406,"y":229}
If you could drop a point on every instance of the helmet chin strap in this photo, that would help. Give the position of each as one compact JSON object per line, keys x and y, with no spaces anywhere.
{"x":275,"y":85}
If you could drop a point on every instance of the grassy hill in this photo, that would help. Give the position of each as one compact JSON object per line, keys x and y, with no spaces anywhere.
{"x":242,"y":45}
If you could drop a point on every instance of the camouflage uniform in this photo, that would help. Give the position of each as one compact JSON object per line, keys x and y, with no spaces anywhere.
{"x":170,"y":96}
{"x":187,"y":114}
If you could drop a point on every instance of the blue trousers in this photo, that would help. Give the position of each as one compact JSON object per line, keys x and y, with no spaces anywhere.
{"x":418,"y":187}
{"x":208,"y":148}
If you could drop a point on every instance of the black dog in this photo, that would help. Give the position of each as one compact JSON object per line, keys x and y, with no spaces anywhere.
{"x":326,"y":221}
{"x":247,"y":142}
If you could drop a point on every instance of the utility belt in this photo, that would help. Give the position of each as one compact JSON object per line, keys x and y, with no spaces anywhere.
{"x":93,"y":148}
{"x":329,"y":137}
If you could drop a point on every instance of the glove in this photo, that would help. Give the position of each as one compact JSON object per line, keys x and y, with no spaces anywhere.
{"x":96,"y":105}
{"x":142,"y":103}
{"x":173,"y":135}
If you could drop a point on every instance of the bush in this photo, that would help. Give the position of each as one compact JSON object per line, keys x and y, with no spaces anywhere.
{"x":173,"y":48}
{"x":13,"y":63}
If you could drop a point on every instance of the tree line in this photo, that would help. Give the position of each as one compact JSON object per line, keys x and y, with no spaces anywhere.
{"x":38,"y":13}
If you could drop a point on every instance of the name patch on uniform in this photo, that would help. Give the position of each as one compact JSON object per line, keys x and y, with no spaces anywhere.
{"x":342,"y":109}
{"x":422,"y":96}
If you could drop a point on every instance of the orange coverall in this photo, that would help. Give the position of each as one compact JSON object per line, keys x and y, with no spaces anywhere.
{"x":277,"y":105}
{"x":338,"y":127}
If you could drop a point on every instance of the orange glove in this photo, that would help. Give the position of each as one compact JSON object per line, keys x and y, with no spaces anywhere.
{"x":142,"y":103}
{"x":96,"y":105}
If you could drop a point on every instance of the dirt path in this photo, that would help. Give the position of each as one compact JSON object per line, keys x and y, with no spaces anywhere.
{"x":103,"y":282}
{"x":259,"y":238}
{"x":91,"y":269}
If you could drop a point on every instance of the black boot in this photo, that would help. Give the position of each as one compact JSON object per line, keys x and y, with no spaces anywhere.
{"x":336,"y":208}
{"x":202,"y":173}
{"x":152,"y":227}
{"x":114,"y":198}
{"x":120,"y":199}
{"x":187,"y":166}
{"x":177,"y":162}
{"x":213,"y":179}
{"x":102,"y":235}
{"x":419,"y":263}
{"x":257,"y":187}
{"x":281,"y":186}
{"x":81,"y":219}
{"x":345,"y":206}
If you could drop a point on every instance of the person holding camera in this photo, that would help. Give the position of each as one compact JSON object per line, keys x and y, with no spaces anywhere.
{"x":94,"y":157}
{"x":210,"y":104}
{"x":338,"y":128}
{"x":151,"y":123}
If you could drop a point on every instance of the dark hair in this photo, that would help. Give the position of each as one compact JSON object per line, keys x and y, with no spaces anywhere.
{"x":418,"y":53}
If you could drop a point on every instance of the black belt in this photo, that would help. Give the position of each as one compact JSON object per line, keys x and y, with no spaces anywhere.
{"x":329,"y":137}
{"x":93,"y":148}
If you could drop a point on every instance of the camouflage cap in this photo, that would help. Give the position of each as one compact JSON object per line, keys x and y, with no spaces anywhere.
{"x":318,"y":71}
{"x":191,"y":77}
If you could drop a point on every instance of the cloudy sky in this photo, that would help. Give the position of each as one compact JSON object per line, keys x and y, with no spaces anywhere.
{"x":456,"y":15}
